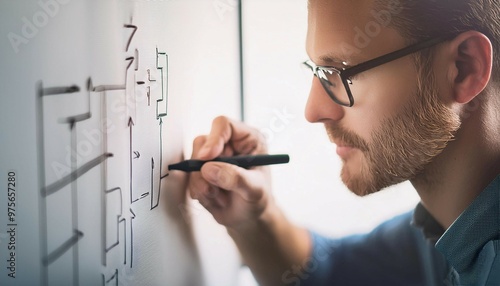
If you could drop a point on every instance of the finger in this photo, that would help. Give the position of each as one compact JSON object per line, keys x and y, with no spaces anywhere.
{"x":246,"y":183}
{"x":253,"y":143}
{"x":211,"y":195}
{"x":225,"y":130}
{"x":228,"y":151}
{"x":197,"y":185}
{"x":199,"y":188}
{"x":198,"y":143}
{"x":220,"y":134}
{"x":212,"y":198}
{"x":248,"y":147}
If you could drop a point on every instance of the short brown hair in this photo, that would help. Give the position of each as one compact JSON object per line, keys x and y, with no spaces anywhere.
{"x":422,"y":19}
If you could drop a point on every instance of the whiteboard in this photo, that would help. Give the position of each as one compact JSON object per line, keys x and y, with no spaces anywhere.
{"x":97,"y":98}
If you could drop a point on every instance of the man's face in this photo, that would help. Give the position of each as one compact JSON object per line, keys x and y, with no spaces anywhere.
{"x":396,"y":126}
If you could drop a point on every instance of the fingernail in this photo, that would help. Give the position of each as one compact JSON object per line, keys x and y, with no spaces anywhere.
{"x":212,"y":172}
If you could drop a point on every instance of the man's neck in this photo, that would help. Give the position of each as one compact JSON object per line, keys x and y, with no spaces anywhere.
{"x":465,"y":168}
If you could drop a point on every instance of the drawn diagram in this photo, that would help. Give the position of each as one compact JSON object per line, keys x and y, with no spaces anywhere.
{"x":62,"y":195}
{"x":113,"y":280}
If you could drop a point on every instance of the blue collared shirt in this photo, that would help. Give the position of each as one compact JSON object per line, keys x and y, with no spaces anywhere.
{"x":403,"y":251}
{"x":472,"y":243}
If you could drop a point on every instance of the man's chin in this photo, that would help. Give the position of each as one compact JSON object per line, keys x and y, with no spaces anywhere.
{"x":359,"y":184}
{"x":361,"y":190}
{"x":366,"y":184}
{"x":357,"y":178}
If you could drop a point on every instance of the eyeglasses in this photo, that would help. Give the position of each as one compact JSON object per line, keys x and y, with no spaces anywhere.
{"x":332,"y":77}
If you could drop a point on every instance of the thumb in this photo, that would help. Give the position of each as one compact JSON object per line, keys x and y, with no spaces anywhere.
{"x":246,"y":183}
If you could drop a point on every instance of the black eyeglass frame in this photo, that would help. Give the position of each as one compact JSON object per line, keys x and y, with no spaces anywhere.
{"x":346,"y":73}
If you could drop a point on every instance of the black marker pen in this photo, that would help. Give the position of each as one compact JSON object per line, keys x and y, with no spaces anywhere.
{"x":244,"y":161}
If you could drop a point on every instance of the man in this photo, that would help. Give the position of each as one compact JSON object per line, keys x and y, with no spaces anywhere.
{"x":428,"y":113}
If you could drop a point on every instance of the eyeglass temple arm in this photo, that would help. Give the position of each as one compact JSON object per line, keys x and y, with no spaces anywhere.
{"x":392,"y":56}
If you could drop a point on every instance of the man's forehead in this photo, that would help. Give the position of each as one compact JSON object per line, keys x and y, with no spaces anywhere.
{"x":340,"y":16}
{"x":349,"y":31}
{"x":331,"y":29}
{"x":340,"y":5}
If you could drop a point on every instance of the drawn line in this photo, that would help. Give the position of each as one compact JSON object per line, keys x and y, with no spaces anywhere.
{"x":121,"y":198}
{"x":149,"y":95}
{"x":115,"y":276}
{"x":105,"y":87}
{"x":131,"y":60}
{"x":118,"y":220}
{"x":125,"y":242}
{"x":161,"y":162}
{"x":141,"y":197}
{"x":56,"y":186}
{"x":100,"y":88}
{"x":149,"y":76}
{"x":130,"y":124}
{"x":63,"y":248}
{"x":131,"y":36}
{"x":60,"y":90}
{"x":131,"y":238}
{"x":137,"y":154}
{"x":130,"y":102}
{"x":77,"y":118}
{"x":164,"y":83}
{"x":137,"y":60}
{"x":152,"y":180}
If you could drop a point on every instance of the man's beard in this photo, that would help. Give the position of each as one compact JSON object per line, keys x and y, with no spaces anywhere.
{"x":403,"y":144}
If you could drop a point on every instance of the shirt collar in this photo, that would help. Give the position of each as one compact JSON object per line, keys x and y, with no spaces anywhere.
{"x":475,"y":227}
{"x":422,"y":219}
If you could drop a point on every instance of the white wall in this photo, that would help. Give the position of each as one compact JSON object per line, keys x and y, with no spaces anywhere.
{"x":66,"y":44}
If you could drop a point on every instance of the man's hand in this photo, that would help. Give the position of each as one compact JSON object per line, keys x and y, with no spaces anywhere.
{"x":240,"y":200}
{"x":235,"y":196}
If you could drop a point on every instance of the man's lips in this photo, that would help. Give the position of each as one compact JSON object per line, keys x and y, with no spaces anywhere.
{"x":343,"y":144}
{"x":347,"y":142}
{"x":344,"y":150}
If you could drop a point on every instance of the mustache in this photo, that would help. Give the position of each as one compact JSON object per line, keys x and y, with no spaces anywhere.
{"x":336,"y":133}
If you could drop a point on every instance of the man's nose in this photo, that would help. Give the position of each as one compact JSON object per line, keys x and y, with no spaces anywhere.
{"x":320,"y":107}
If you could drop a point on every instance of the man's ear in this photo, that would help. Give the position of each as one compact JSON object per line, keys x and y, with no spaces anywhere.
{"x":472,"y":53}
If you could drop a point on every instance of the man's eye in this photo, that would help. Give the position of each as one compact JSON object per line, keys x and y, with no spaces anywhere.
{"x":354,"y":77}
{"x":329,"y":72}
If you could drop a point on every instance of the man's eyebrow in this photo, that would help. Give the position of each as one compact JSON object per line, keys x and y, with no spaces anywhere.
{"x":334,"y":59}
